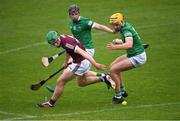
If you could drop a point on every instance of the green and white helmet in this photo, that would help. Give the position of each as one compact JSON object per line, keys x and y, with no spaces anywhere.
{"x":52,"y":37}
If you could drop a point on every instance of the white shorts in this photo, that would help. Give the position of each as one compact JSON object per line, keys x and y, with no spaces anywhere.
{"x":91,"y":52}
{"x":138,"y":60}
{"x":81,"y":68}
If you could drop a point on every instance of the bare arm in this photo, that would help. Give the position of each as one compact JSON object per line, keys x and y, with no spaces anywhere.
{"x":103,"y":28}
{"x":88,"y":57}
{"x":128,"y":44}
{"x":66,"y":60}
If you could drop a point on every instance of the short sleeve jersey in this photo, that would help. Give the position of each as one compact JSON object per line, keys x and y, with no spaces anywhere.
{"x":69,"y":43}
{"x":128,"y":31}
{"x":81,"y":30}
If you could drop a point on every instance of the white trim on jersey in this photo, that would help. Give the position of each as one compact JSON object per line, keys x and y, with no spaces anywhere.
{"x":75,"y":49}
{"x":94,"y":24}
{"x":63,"y":36}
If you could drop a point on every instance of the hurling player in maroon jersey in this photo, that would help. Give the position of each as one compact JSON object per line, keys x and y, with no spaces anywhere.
{"x":79,"y":69}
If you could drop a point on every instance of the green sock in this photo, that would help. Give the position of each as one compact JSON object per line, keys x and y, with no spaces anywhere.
{"x":122,"y":88}
{"x":118,"y":93}
{"x":99,"y":74}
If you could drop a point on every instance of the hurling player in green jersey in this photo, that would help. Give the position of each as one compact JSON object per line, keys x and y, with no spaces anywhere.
{"x":81,"y":27}
{"x":81,"y":30}
{"x":136,"y":55}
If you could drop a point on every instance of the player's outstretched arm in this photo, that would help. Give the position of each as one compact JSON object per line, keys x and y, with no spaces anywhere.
{"x":102,"y":28}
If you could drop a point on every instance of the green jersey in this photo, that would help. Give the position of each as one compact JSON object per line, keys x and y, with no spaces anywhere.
{"x":128,"y":31}
{"x":81,"y":30}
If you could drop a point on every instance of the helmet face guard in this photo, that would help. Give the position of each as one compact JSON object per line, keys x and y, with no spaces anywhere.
{"x":73,"y":8}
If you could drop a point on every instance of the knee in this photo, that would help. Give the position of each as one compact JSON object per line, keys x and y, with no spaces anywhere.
{"x":115,"y":71}
{"x":81,"y":84}
{"x":110,"y":66}
{"x":111,"y":70}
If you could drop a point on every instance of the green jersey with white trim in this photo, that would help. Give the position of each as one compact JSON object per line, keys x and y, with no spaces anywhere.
{"x":81,"y":30}
{"x":127,"y":30}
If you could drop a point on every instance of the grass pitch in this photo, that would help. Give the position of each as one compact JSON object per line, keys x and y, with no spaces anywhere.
{"x":153,"y":89}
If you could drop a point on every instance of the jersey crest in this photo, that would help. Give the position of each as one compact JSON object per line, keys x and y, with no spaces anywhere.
{"x":69,"y":46}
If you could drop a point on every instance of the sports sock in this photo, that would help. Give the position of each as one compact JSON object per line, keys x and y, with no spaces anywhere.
{"x":101,"y":76}
{"x":52,"y":102}
{"x":122,"y":88}
{"x":118,"y":93}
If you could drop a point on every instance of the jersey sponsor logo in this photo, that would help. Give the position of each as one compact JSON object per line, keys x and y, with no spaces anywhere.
{"x":77,"y":28}
{"x":69,"y":46}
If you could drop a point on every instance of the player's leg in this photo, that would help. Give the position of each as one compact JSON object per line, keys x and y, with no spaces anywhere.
{"x":102,"y":78}
{"x":87,"y":79}
{"x":115,"y":73}
{"x":80,"y":70}
{"x":120,"y":66}
{"x":90,"y":76}
{"x":51,"y":89}
{"x":61,"y":81}
{"x":118,"y":59}
{"x":122,"y":86}
{"x":122,"y":90}
{"x":123,"y":65}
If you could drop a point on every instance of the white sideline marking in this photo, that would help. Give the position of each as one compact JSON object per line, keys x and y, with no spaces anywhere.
{"x":23,"y":117}
{"x":99,"y":33}
{"x":16,"y":114}
{"x":21,"y":48}
{"x":6,"y":113}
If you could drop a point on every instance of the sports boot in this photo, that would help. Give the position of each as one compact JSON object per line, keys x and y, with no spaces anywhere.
{"x":45,"y":105}
{"x":117,"y":99}
{"x":109,"y":82}
{"x":124,"y":94}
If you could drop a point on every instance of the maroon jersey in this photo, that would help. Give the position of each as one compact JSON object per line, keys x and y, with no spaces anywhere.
{"x":69,"y":43}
